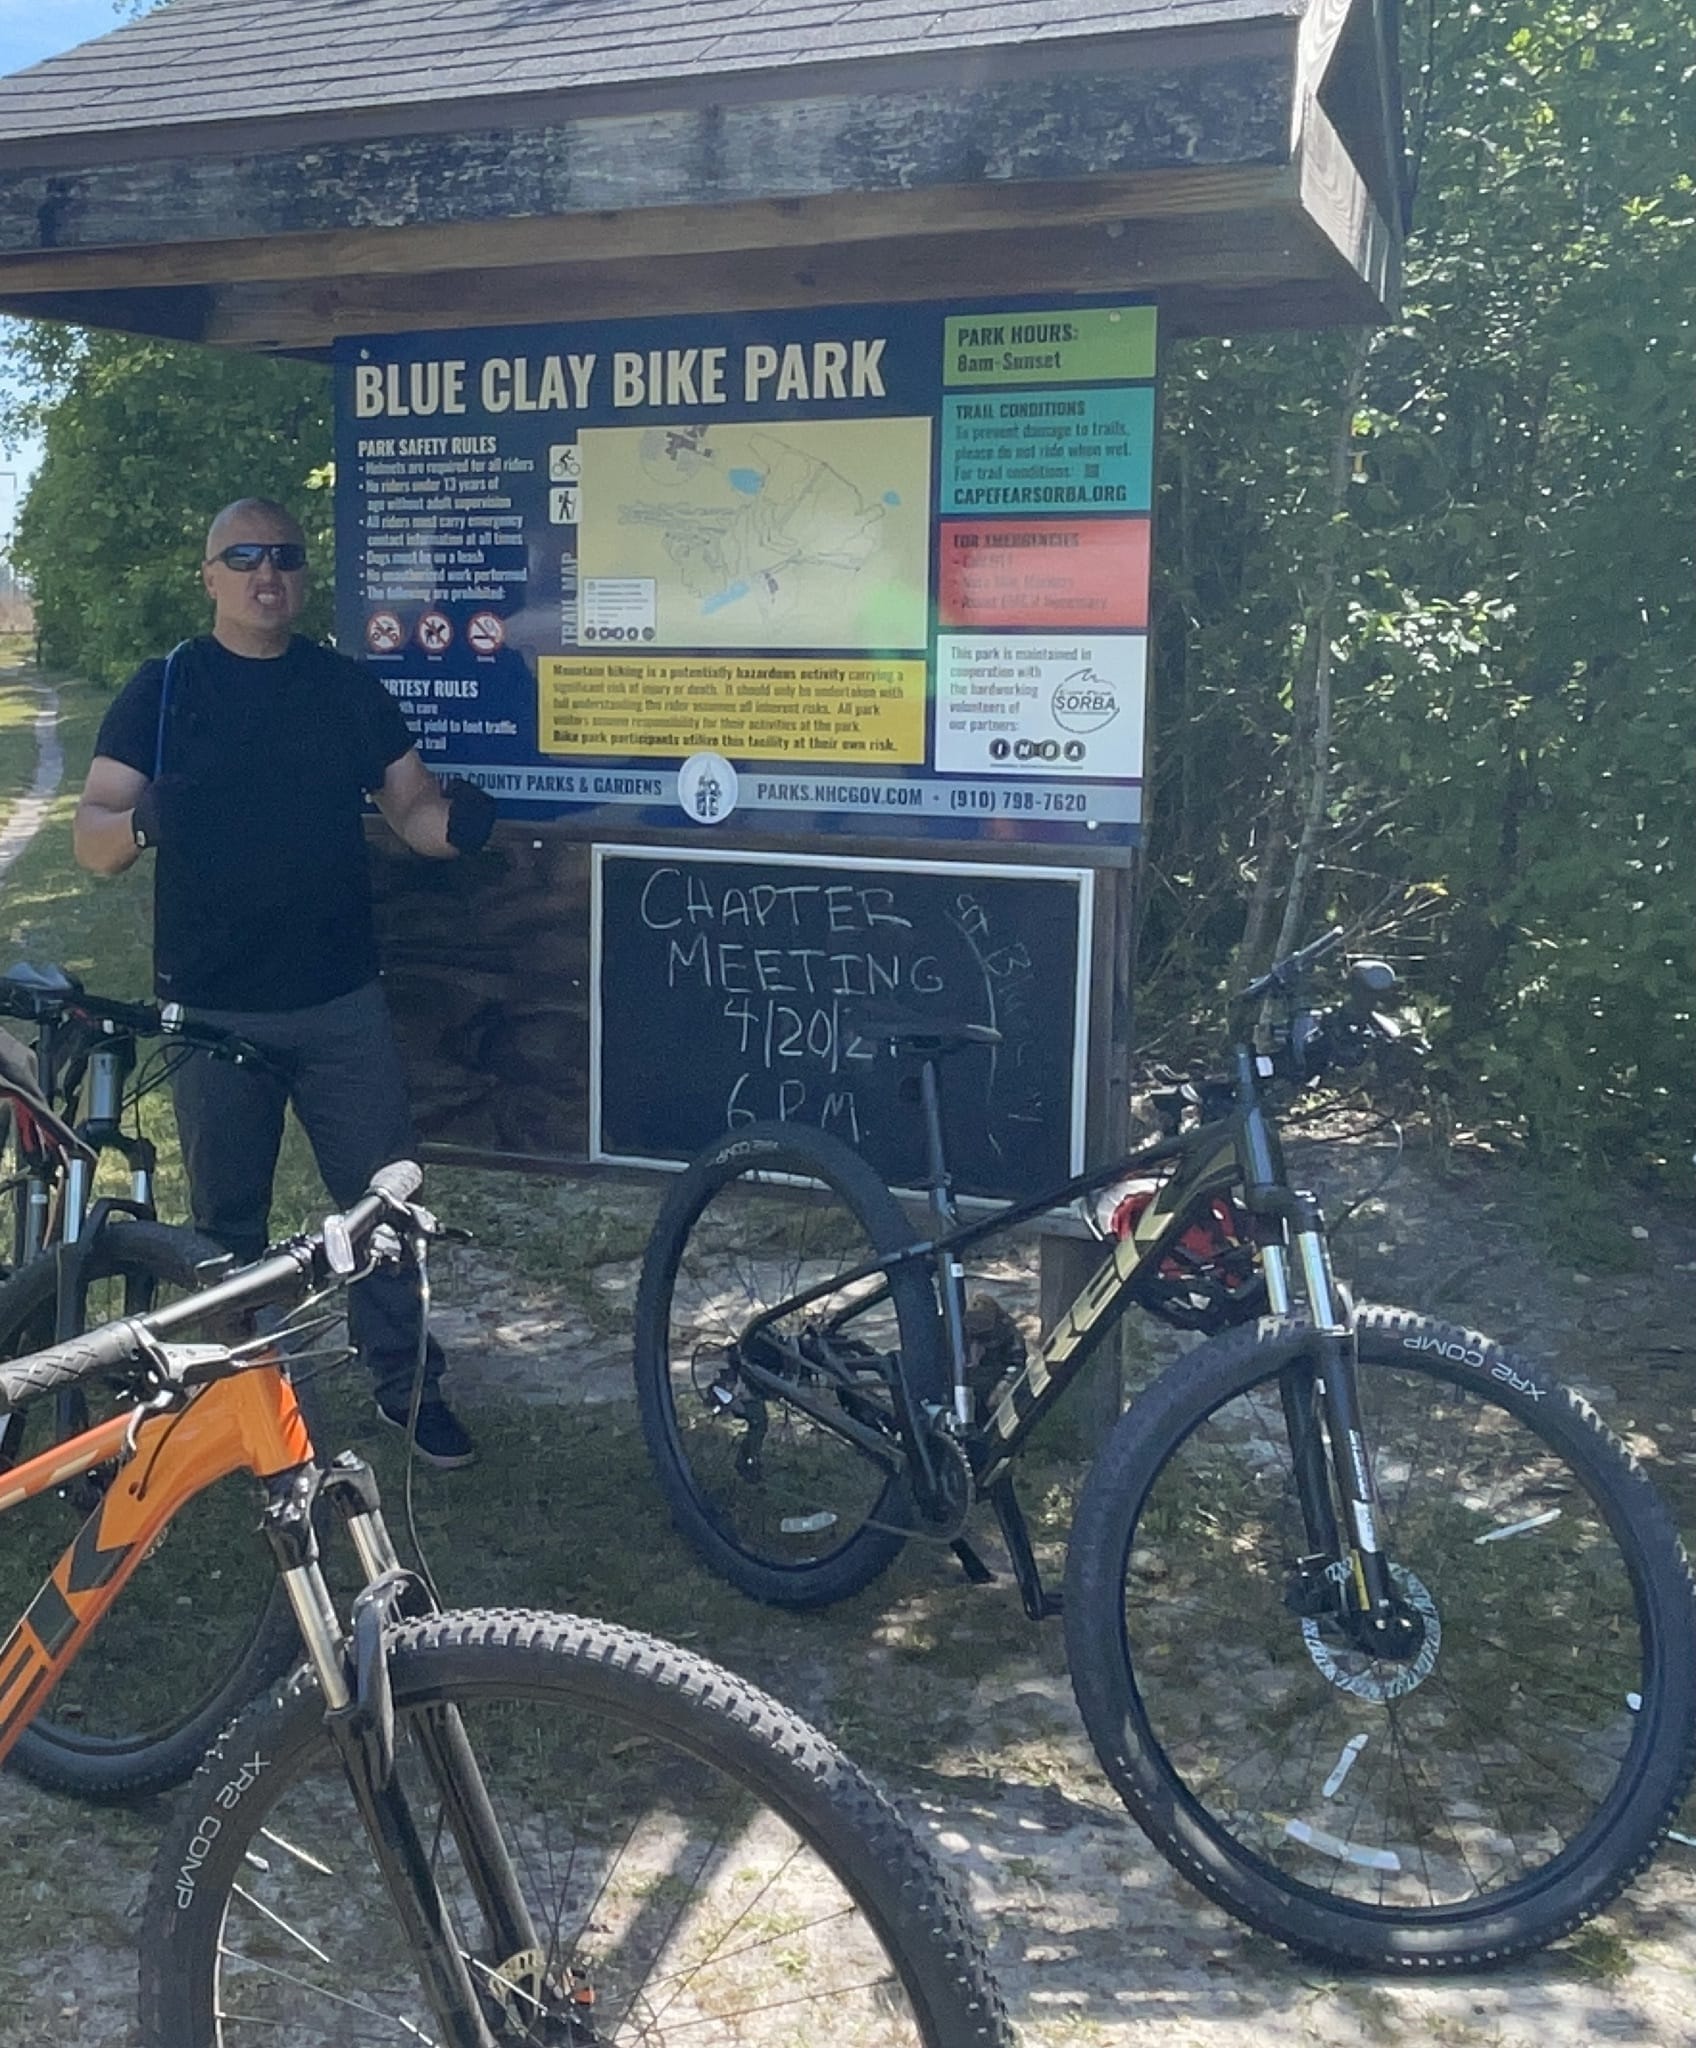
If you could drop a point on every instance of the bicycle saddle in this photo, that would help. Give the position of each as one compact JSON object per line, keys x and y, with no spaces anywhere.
{"x":40,"y":981}
{"x":931,"y":1037}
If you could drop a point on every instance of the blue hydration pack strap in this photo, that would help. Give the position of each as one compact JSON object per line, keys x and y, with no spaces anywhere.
{"x":165,"y":687}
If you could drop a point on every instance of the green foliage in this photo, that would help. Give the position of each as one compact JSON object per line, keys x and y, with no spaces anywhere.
{"x":1515,"y":708}
{"x":144,"y":442}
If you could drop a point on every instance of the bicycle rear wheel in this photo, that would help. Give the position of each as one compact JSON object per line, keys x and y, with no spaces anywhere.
{"x":204,"y":1624}
{"x":772,"y":1499}
{"x":694,"y":1857}
{"x":1469,"y":1801}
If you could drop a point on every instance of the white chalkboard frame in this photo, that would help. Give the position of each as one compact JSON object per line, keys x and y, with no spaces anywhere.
{"x":1081,"y":878}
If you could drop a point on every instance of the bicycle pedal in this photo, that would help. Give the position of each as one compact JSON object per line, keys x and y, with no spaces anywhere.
{"x":971,"y":1563}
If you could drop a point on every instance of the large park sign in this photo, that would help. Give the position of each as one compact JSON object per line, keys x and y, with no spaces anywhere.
{"x":871,"y":568}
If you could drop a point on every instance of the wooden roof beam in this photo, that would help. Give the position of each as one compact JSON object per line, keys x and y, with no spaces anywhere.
{"x":1243,"y":250}
{"x":797,"y":224}
{"x":1051,"y":128}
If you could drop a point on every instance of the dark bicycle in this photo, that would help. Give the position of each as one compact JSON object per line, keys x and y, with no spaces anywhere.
{"x":1384,"y":1640}
{"x":123,"y":1721}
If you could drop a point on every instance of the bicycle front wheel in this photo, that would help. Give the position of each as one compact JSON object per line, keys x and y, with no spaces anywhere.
{"x":1479,"y":1794}
{"x":204,"y":1624}
{"x":776,"y":1501}
{"x":698,"y":1864}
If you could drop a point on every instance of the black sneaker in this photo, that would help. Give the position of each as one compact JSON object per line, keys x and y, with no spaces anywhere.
{"x":441,"y":1437}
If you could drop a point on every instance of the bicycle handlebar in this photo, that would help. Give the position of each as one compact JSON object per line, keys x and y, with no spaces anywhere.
{"x":1287,"y":973}
{"x":1309,"y":1044}
{"x":67,"y":1001}
{"x":277,"y":1277}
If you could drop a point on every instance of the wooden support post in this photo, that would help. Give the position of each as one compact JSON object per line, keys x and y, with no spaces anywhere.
{"x":1092,"y":1406}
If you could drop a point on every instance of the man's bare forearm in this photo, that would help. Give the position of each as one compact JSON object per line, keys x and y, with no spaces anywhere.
{"x":104,"y":840}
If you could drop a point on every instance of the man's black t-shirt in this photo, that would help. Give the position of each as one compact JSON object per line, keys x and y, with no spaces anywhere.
{"x":262,"y":896}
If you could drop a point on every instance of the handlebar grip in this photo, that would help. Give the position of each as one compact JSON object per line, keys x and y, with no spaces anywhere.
{"x":399,"y":1181}
{"x":62,"y":1365}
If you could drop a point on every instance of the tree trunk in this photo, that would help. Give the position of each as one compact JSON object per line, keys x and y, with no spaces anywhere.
{"x":1311,"y":709}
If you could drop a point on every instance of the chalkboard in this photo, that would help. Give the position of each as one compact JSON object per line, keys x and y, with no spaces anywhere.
{"x":726,"y":987}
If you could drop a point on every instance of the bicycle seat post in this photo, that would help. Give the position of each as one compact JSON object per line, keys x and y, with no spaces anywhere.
{"x":939,"y":1197}
{"x":939,"y":1182}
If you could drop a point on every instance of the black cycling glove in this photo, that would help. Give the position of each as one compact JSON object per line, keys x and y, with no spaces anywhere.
{"x":160,"y":810}
{"x":471,"y":815}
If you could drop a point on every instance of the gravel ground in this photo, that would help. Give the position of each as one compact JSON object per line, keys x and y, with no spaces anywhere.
{"x":1095,"y":1941}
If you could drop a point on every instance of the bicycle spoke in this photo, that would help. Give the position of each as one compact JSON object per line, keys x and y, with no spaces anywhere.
{"x":687,"y":1912}
{"x":1472,"y":1758}
{"x":784,"y":1487}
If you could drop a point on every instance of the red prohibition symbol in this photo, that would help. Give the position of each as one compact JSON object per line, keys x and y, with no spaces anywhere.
{"x":383,"y":632}
{"x":486,"y":632}
{"x":435,"y":632}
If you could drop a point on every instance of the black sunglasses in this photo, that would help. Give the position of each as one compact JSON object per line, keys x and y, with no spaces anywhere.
{"x":246,"y":555}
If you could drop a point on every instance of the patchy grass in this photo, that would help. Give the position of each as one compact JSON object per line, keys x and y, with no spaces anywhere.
{"x":1599,"y":1953}
{"x":1587,"y":1226}
{"x":552,"y":1232}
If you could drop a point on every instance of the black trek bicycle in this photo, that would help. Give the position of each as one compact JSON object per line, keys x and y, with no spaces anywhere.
{"x":1385,"y":1641}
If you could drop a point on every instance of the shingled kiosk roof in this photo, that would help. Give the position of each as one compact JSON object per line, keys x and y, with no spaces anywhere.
{"x":269,"y":174}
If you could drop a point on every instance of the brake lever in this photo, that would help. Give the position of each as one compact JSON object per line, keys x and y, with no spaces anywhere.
{"x":425,"y":1223}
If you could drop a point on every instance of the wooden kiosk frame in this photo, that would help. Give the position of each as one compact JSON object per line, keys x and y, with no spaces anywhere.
{"x":275,"y":179}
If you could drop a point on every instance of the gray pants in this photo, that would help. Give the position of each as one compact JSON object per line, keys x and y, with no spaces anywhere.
{"x":344,"y":1079}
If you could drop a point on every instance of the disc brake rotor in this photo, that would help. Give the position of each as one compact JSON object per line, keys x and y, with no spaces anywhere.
{"x":1368,"y":1677}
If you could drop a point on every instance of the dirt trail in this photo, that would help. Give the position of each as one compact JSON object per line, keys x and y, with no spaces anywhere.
{"x":28,"y":813}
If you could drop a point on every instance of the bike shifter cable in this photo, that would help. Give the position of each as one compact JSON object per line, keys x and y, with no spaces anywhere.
{"x":420,"y":1251}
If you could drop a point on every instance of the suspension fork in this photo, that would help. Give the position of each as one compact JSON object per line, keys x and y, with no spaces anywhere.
{"x":402,"y":1860}
{"x":1325,"y":1384}
{"x":1327,"y":1388}
{"x":440,"y":1735}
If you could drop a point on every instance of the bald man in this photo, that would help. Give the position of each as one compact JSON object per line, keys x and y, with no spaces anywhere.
{"x":243,"y":761}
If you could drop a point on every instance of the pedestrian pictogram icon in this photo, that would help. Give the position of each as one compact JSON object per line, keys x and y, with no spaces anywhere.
{"x":486,"y":632}
{"x":435,"y":632}
{"x":383,"y":632}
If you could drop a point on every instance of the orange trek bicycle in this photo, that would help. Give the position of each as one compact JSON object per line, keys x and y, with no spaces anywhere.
{"x":475,"y":1829}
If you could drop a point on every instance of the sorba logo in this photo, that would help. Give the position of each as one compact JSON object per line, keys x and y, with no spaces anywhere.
{"x":1082,"y":702}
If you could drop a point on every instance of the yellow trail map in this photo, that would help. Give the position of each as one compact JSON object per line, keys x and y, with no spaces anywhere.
{"x":806,"y":535}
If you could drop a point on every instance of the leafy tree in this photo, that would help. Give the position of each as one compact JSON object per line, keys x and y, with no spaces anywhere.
{"x":1514,"y":596}
{"x":144,"y":442}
